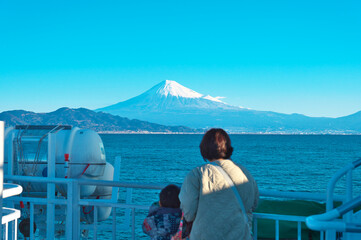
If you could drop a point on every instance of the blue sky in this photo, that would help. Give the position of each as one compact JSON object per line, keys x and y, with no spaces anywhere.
{"x":284,"y":56}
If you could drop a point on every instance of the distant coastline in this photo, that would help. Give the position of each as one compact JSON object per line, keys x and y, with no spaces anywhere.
{"x":230,"y":132}
{"x":147,"y":132}
{"x":106,"y":123}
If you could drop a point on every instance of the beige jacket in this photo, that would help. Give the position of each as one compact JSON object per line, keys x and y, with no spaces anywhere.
{"x":207,"y":199}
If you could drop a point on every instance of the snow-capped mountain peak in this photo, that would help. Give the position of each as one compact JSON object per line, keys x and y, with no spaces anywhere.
{"x":172,"y":88}
{"x":167,"y":97}
{"x":169,"y":87}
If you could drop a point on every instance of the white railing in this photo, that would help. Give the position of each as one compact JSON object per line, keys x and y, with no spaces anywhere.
{"x":8,"y":216}
{"x":288,"y":218}
{"x":327,"y":221}
{"x":277,"y":218}
{"x":73,"y":203}
{"x":330,"y":221}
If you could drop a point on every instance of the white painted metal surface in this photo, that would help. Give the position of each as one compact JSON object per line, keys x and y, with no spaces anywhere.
{"x":11,"y":189}
{"x":329,"y":221}
{"x":1,"y":172}
{"x":277,"y":218}
{"x":8,"y":216}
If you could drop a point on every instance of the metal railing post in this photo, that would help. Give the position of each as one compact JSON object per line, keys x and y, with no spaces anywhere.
{"x":127,"y":212}
{"x":50,"y":208}
{"x":16,"y":229}
{"x":6,"y":231}
{"x":133,"y":223}
{"x":331,"y":234}
{"x":114,"y":229}
{"x":1,"y":172}
{"x":95,"y":222}
{"x":11,"y":155}
{"x":32,"y":221}
{"x":348,"y":216}
{"x":299,"y":230}
{"x":69,"y":209}
{"x":255,"y":228}
{"x":76,"y":210}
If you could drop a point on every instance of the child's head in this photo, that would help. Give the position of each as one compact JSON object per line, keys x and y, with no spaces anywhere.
{"x":168,"y":197}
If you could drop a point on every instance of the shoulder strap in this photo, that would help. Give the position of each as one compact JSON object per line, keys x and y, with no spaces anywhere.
{"x":234,"y":189}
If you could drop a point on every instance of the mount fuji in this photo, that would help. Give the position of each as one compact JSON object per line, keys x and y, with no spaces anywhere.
{"x":168,"y":96}
{"x":170,"y":103}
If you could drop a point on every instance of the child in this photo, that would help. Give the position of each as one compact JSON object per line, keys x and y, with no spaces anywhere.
{"x":163,"y":220}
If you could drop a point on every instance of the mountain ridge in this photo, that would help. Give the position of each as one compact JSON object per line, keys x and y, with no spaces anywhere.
{"x":169,"y":95}
{"x":85,"y":118}
{"x":196,"y":111}
{"x":168,"y":107}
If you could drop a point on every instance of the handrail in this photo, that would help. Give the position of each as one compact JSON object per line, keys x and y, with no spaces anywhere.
{"x":332,"y":183}
{"x":85,"y":182}
{"x":279,"y":217}
{"x":329,"y":221}
{"x":9,"y":215}
{"x":11,"y":189}
{"x":159,"y":186}
{"x":326,"y":221}
{"x":298,"y":195}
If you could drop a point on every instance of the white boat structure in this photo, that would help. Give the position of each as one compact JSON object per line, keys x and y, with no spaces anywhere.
{"x":9,"y":216}
{"x":59,"y":180}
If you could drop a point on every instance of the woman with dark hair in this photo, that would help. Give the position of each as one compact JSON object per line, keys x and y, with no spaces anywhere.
{"x":219,"y":196}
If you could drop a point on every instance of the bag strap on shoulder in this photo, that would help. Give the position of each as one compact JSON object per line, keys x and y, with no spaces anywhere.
{"x":234,"y":189}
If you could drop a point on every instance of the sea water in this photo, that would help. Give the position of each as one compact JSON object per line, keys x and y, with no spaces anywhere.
{"x":278,"y":162}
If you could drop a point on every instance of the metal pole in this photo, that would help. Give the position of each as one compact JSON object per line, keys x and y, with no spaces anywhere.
{"x":1,"y":172}
{"x":15,"y":229}
{"x":6,"y":231}
{"x":31,"y":220}
{"x":76,"y":210}
{"x":299,"y":230}
{"x":127,"y":212}
{"x":277,"y":230}
{"x":11,"y":154}
{"x":114,"y":215}
{"x":133,"y":223}
{"x":69,"y":210}
{"x":95,"y":222}
{"x":348,"y":216}
{"x":255,"y":228}
{"x":331,"y":234}
{"x":50,"y":210}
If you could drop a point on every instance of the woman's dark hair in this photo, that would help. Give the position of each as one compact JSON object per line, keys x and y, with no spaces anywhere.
{"x":168,"y":197}
{"x":216,"y":144}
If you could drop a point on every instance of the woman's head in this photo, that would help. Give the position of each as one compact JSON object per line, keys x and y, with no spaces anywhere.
{"x":216,"y":144}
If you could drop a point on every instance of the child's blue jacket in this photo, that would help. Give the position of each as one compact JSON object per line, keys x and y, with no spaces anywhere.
{"x":162,"y":223}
